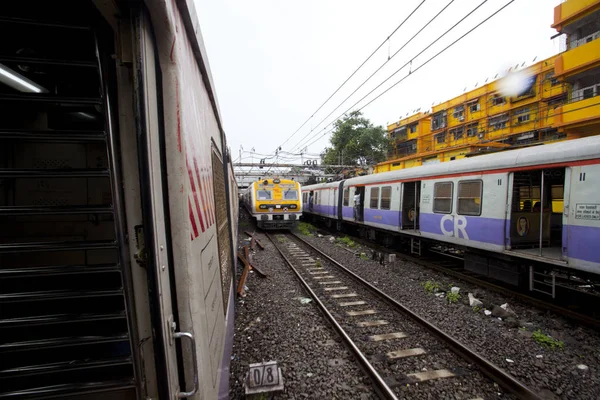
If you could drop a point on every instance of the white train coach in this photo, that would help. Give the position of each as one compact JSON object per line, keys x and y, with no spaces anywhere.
{"x":507,"y":211}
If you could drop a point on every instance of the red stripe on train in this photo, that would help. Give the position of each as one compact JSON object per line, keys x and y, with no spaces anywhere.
{"x":202,"y":194}
{"x":195,"y":194}
{"x":192,"y":220}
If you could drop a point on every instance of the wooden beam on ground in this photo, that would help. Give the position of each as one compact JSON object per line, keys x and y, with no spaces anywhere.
{"x":252,"y":267}
{"x":262,"y":247}
{"x":242,"y":283}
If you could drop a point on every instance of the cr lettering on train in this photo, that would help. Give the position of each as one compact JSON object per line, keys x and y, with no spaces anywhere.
{"x":457,"y":225}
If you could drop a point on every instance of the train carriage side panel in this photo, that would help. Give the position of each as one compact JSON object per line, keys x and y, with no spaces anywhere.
{"x":200,"y":230}
{"x":469,"y":210}
{"x":581,"y":233}
{"x":383,"y":206}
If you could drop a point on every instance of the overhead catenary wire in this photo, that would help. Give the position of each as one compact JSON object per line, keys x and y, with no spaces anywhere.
{"x":355,"y":71}
{"x":415,"y":70}
{"x":380,"y":67}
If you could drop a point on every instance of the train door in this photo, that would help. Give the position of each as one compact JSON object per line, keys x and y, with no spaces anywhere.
{"x":339,"y":200}
{"x":536,"y":214}
{"x":333,"y":202}
{"x":359,"y":197}
{"x":411,"y":198}
{"x":156,"y":217}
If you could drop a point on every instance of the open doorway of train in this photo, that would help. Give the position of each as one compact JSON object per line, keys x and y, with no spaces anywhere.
{"x":411,"y":198}
{"x":65,"y":322}
{"x":537,"y":212}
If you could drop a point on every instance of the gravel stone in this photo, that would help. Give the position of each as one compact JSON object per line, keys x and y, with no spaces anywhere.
{"x":295,"y":335}
{"x":554,"y":376}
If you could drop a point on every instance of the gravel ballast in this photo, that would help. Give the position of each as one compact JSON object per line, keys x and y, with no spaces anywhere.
{"x":272,"y":324}
{"x":468,"y":382}
{"x":570,"y":372}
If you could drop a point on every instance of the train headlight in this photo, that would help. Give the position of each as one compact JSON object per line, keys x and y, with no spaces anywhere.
{"x":263,"y":206}
{"x":293,"y":206}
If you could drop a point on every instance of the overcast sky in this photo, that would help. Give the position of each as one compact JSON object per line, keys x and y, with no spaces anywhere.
{"x":274,"y":62}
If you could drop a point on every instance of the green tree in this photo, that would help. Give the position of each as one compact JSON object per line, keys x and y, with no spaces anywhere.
{"x":355,"y":141}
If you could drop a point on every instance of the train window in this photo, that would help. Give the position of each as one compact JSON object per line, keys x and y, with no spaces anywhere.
{"x":469,"y":197}
{"x":374,"y":197}
{"x":316,"y":198}
{"x":346,"y":196}
{"x":264,"y":195}
{"x":290,"y":194}
{"x":442,"y":197}
{"x":386,"y":196}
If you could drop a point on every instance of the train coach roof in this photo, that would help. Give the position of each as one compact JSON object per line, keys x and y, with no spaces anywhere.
{"x":571,"y":150}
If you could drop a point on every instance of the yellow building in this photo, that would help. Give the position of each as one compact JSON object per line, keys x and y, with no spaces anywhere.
{"x":480,"y":121}
{"x":561,"y":101}
{"x":579,"y":66}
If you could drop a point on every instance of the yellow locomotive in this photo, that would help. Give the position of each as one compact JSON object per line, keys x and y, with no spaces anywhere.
{"x":274,"y":203}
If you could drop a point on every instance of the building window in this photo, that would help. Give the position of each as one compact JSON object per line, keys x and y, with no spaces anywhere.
{"x":438,"y":120}
{"x":522,"y":115}
{"x":469,"y":197}
{"x":558,"y":100}
{"x":457,"y":133}
{"x":498,"y":122}
{"x":346,"y":197}
{"x":386,"y":197}
{"x":396,"y":164}
{"x":459,"y":113}
{"x":473,"y":106}
{"x":399,"y":133}
{"x":412,"y":128}
{"x":498,"y":100}
{"x":472,"y":129}
{"x":374,"y":198}
{"x":442,"y":197}
{"x":440,"y":138}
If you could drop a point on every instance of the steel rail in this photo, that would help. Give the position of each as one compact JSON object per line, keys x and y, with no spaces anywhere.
{"x":534,"y":301}
{"x":565,"y":312}
{"x":381,"y":388}
{"x":488,"y":368}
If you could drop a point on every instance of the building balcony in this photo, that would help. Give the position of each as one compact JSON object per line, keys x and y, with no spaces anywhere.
{"x":572,"y":10}
{"x":578,"y":60}
{"x":578,"y":113}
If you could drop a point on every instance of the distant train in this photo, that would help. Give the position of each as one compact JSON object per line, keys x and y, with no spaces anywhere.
{"x":274,"y":203}
{"x":511,"y":213}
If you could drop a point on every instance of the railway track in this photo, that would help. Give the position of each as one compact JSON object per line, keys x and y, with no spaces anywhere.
{"x":402,"y":353}
{"x":452,"y":265}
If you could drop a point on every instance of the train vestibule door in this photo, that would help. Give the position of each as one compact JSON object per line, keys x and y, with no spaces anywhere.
{"x":333,"y":201}
{"x":339,"y":200}
{"x":160,"y":277}
{"x":411,"y":197}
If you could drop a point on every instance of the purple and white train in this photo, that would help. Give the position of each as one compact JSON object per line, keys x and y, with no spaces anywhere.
{"x":509,"y":212}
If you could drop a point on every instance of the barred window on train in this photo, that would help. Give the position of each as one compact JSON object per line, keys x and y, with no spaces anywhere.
{"x":469,"y":197}
{"x":374,"y":198}
{"x":386,"y":197}
{"x":264,"y":195}
{"x":346,"y":197}
{"x":290,"y":194}
{"x":442,"y":197}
